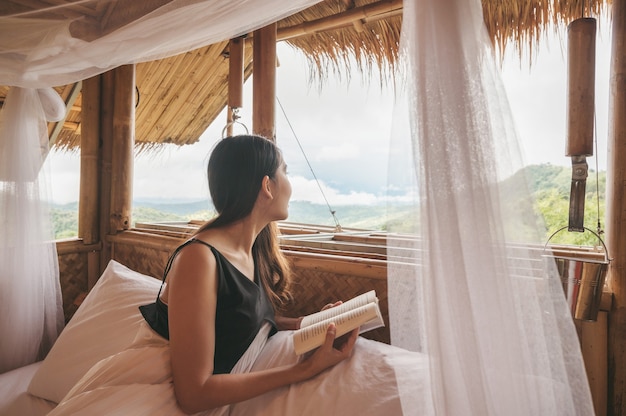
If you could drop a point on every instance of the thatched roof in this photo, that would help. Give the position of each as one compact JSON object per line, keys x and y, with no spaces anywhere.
{"x":180,"y":96}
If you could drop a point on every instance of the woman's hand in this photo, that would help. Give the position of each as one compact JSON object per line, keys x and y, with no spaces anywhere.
{"x":333,"y":351}
{"x":284,"y":323}
{"x":332,"y":305}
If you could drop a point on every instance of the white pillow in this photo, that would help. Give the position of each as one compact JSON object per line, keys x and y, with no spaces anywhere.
{"x":105,"y":323}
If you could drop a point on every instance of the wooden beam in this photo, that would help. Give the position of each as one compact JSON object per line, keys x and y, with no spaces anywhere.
{"x":593,"y":345}
{"x":370,"y":268}
{"x":90,"y":180}
{"x":113,"y":18}
{"x":235,"y":79}
{"x":106,"y":138}
{"x":616,"y":214}
{"x":123,"y":148}
{"x":264,"y":82}
{"x":581,"y":69}
{"x":235,"y":73}
{"x":69,"y":103}
{"x":72,"y":125}
{"x":89,"y":201}
{"x":352,"y":17}
{"x":74,"y":245}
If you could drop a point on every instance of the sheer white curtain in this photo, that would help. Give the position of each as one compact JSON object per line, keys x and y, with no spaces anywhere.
{"x":59,"y":45}
{"x":31,"y":309}
{"x":467,"y":291}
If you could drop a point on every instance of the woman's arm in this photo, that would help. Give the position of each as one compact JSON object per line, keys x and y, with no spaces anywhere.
{"x":284,"y":323}
{"x":192,"y":300}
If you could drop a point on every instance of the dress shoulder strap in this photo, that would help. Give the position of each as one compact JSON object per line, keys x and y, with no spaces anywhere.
{"x":168,"y":266}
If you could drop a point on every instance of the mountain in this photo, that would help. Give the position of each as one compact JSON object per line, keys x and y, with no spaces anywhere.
{"x":181,"y":208}
{"x":548,"y":184}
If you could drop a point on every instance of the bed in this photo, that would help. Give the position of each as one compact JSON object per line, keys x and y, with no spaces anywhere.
{"x":87,"y":367}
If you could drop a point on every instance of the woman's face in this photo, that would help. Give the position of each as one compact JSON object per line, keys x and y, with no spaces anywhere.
{"x":282,"y":192}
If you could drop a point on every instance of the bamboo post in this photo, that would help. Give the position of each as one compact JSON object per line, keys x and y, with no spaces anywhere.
{"x":235,"y":79}
{"x":581,"y":59}
{"x":122,"y":148}
{"x":593,"y":345}
{"x":264,"y":82}
{"x":89,"y":200}
{"x":88,"y":228}
{"x":616,"y":215}
{"x":106,"y":137}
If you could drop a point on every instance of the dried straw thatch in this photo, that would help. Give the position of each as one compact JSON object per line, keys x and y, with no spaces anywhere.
{"x":179,"y":97}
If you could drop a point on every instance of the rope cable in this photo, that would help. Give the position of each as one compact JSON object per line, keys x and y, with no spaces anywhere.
{"x":332,"y":211}
{"x":595,"y":139}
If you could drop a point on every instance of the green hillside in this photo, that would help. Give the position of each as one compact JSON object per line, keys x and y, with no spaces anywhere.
{"x":549,"y":185}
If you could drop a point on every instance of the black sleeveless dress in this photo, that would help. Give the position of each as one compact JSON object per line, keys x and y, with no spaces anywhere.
{"x":242,"y":308}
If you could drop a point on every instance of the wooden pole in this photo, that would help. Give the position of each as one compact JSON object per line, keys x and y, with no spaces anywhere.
{"x":106,"y":137}
{"x":264,"y":82}
{"x":235,"y":79}
{"x":122,"y":149}
{"x":581,"y":65}
{"x":88,"y":209}
{"x":90,"y":162}
{"x":594,"y":347}
{"x":616,"y":214}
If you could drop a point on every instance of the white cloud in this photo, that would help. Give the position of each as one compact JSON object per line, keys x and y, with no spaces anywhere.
{"x":338,"y":152}
{"x":63,"y":173}
{"x":174,"y":173}
{"x":309,"y":190}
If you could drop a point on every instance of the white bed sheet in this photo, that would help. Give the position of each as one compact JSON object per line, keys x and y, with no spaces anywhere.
{"x":365,"y":384}
{"x":15,"y":400}
{"x":368,"y":383}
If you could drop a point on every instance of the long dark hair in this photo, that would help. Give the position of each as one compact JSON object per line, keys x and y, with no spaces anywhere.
{"x":236,"y":169}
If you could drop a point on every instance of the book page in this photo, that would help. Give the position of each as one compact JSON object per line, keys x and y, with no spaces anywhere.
{"x":310,"y":337}
{"x":355,"y":302}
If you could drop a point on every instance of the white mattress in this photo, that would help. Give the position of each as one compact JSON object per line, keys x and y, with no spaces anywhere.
{"x":14,"y":400}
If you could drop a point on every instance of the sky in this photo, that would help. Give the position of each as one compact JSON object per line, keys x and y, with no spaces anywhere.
{"x":344,"y":130}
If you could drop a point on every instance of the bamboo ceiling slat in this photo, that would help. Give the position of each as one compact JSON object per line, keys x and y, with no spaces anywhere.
{"x":154,"y":95}
{"x":209,"y":87}
{"x":174,"y":97}
{"x":222,"y":98}
{"x":202,"y":76}
{"x":209,"y":98}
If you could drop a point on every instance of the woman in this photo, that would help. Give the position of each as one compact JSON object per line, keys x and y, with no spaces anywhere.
{"x":224,"y":284}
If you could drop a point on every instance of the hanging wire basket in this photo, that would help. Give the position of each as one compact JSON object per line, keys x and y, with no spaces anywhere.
{"x":582,"y":278}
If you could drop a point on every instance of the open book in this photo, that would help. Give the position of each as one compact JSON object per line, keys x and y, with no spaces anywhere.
{"x":361,"y":311}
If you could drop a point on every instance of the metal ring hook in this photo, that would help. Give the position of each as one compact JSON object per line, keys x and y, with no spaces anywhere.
{"x":606,"y":251}
{"x":234,"y":121}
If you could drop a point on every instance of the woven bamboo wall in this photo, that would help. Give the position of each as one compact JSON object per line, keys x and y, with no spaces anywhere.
{"x":146,"y":260}
{"x":312,"y":289}
{"x":317,"y":281}
{"x":144,"y":252}
{"x":73,"y":278}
